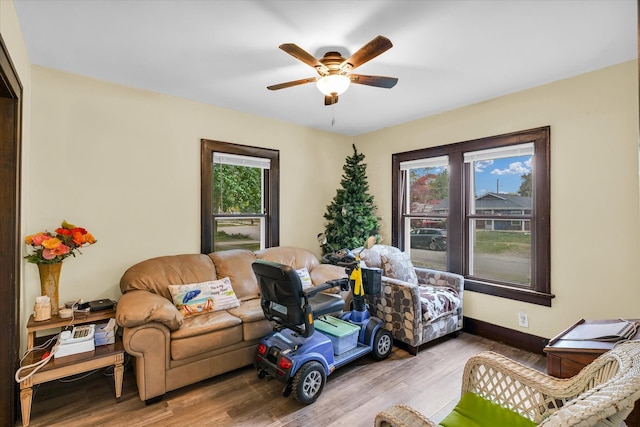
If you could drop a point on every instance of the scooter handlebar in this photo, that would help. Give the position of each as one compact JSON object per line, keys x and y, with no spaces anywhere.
{"x":343,"y":258}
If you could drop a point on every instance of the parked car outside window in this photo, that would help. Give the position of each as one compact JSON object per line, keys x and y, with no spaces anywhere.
{"x":429,"y":238}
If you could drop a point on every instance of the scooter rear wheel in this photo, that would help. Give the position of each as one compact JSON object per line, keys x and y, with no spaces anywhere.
{"x":382,"y":344}
{"x":308,"y":382}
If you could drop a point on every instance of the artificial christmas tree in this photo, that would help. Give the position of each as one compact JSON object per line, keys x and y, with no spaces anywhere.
{"x":351,"y":215}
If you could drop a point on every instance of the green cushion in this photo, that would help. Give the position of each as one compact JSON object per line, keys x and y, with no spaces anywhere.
{"x":476,"y":411}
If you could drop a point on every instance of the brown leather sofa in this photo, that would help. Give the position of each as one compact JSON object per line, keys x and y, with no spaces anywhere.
{"x":171,"y":351}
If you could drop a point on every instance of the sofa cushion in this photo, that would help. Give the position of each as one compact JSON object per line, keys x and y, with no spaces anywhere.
{"x":199,"y":334}
{"x":254,"y":324}
{"x":437,"y":302}
{"x":156,"y":274}
{"x":399,"y":266}
{"x":322,"y":273}
{"x":196,"y":346}
{"x":248,"y":311}
{"x":289,"y":255}
{"x":199,"y":298}
{"x":200,"y":325}
{"x":476,"y":411}
{"x":236,"y":265}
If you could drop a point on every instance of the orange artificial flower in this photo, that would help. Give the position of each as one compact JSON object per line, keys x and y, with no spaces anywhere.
{"x":50,"y":248}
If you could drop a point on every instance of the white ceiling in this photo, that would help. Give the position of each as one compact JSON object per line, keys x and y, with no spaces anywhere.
{"x":446,"y":54}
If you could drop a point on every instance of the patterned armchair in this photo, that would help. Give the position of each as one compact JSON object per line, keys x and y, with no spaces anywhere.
{"x":416,"y":304}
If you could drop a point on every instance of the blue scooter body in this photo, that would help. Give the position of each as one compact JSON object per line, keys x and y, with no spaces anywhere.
{"x":298,"y":350}
{"x":318,"y":347}
{"x":295,"y":360}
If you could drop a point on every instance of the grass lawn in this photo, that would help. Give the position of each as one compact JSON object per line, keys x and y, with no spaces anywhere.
{"x":502,"y":242}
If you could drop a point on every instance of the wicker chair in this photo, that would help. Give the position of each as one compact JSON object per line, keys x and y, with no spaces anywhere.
{"x":602,"y":394}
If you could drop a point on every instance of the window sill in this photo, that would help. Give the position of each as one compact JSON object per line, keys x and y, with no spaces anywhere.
{"x":524,"y":295}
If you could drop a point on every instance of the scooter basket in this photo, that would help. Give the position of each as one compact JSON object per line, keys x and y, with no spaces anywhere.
{"x":343,"y":334}
{"x":372,"y":280}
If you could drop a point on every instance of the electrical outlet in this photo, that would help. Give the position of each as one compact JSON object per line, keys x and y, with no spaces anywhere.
{"x":523,"y":319}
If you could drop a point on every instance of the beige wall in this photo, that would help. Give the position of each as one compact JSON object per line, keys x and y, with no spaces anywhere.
{"x":124,"y":163}
{"x":594,"y":191}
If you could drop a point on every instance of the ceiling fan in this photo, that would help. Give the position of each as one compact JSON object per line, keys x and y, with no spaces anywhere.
{"x":334,"y":71}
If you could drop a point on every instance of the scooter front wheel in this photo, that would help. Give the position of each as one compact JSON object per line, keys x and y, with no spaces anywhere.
{"x":308,"y":382}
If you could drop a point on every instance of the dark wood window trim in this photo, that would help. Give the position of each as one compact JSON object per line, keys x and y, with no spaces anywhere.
{"x":540,"y":290}
{"x":272,"y":193}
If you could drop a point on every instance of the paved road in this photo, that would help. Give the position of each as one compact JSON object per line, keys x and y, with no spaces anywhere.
{"x":486,"y":265}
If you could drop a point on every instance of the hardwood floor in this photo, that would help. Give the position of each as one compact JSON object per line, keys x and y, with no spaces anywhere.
{"x":429,"y":382}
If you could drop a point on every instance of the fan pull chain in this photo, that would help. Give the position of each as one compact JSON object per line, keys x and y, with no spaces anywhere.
{"x":333,"y":114}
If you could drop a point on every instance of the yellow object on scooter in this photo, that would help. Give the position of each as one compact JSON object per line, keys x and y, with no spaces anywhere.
{"x":356,"y":276}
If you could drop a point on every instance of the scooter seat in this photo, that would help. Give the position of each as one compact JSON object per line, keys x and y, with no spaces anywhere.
{"x":322,"y":304}
{"x":284,"y":301}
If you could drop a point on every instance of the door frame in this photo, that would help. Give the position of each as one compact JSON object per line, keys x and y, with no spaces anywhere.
{"x":10,"y":244}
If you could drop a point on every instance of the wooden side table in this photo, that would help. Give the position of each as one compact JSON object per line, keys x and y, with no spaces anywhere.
{"x":565,"y":358}
{"x":101,"y":357}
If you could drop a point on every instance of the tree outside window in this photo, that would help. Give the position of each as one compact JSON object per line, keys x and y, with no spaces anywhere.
{"x":239,"y":197}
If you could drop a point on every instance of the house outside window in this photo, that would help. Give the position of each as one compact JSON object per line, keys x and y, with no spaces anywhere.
{"x":494,"y":216}
{"x":239,"y":197}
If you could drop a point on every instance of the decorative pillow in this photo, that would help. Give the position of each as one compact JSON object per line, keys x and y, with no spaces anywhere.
{"x":200,"y":298}
{"x":398,"y":266}
{"x":371,"y":256}
{"x":305,"y":278}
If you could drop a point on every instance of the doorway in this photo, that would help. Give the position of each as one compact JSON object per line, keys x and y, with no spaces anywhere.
{"x":10,"y":244}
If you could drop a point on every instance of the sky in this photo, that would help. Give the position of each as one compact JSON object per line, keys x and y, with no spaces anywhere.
{"x":503,"y":173}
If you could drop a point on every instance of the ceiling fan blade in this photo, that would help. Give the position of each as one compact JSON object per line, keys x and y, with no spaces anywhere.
{"x":366,"y":53}
{"x":304,"y":56}
{"x":292,"y":83}
{"x":377,"y":81}
{"x":330,"y":99}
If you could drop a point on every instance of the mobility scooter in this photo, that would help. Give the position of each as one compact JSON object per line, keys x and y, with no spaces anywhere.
{"x":307,"y":344}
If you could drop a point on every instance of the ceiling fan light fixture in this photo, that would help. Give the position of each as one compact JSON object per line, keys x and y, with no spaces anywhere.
{"x":333,"y":84}
{"x":334,"y":71}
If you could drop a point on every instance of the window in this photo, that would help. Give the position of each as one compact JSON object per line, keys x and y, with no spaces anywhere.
{"x":240,"y":197}
{"x":481,"y":209}
{"x":426,"y":184}
{"x":498,"y":218}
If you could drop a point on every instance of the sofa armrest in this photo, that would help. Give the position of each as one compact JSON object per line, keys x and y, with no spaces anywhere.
{"x":398,"y":305}
{"x":440,"y":278}
{"x":149,"y":344}
{"x":139,"y":307}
